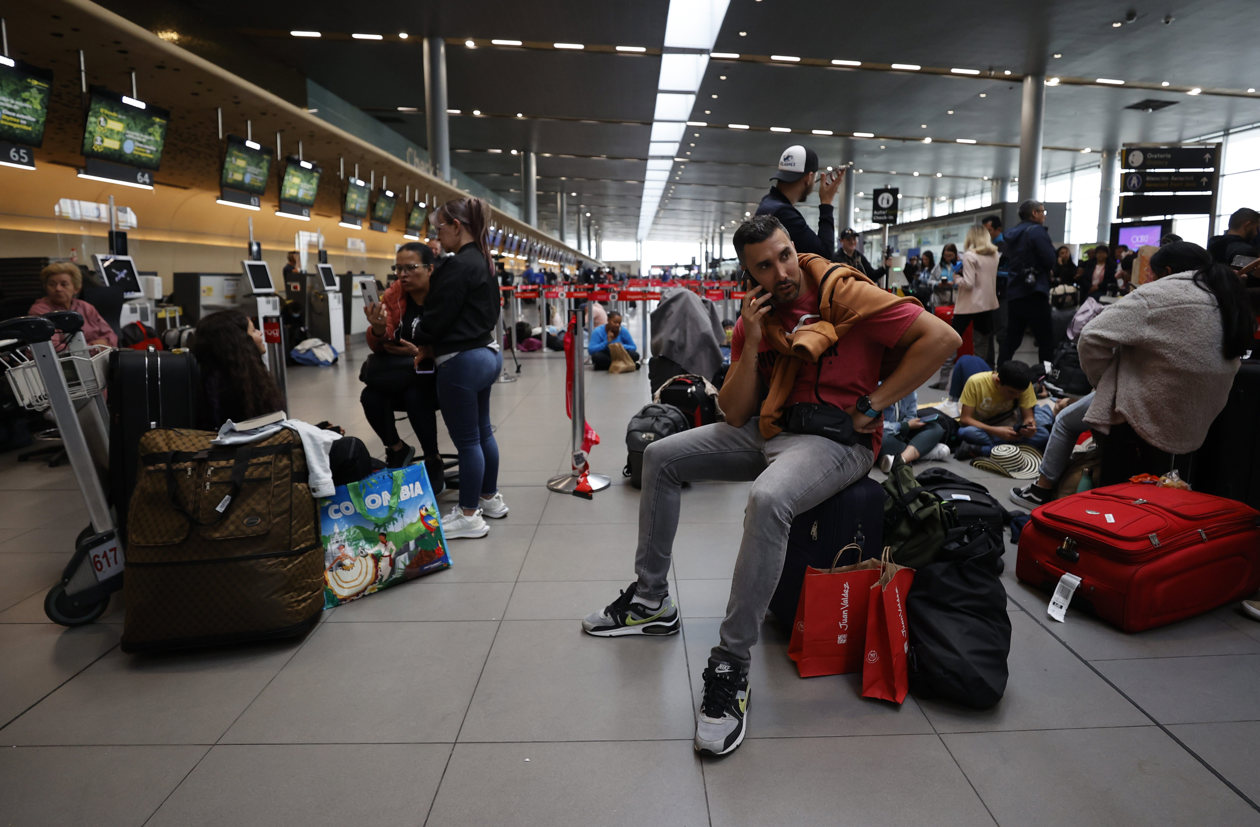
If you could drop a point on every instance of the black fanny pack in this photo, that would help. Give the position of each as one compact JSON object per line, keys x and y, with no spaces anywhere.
{"x":823,"y":420}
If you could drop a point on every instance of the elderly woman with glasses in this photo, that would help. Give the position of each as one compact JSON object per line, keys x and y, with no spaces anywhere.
{"x":390,"y":379}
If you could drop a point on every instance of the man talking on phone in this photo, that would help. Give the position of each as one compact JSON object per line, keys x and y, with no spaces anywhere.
{"x":802,"y":401}
{"x":792,"y":183}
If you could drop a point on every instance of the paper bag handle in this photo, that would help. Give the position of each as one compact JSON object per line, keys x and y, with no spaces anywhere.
{"x":835,"y":561}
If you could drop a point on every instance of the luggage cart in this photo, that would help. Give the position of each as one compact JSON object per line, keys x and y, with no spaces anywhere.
{"x":44,"y":379}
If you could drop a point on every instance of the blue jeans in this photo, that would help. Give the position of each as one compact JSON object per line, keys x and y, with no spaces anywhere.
{"x":791,"y":473}
{"x":1067,"y":428}
{"x":1038,"y":439}
{"x":463,"y":386}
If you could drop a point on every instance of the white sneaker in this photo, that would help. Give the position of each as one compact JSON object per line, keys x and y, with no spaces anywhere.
{"x":457,"y":524}
{"x":939,"y":453}
{"x":494,"y":507}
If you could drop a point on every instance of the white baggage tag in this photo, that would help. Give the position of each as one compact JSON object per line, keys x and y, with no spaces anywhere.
{"x":966,"y":497}
{"x":1062,"y":596}
{"x":223,"y":504}
{"x":1109,"y":518}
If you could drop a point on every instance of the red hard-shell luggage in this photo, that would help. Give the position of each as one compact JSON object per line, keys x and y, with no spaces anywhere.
{"x":1146,"y":555}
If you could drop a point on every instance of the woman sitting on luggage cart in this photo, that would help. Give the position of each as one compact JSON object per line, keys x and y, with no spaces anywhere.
{"x":390,"y":380}
{"x":62,"y":281}
{"x":1162,"y":361}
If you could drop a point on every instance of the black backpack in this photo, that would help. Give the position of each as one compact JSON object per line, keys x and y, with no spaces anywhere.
{"x":960,"y":632}
{"x":689,"y":394}
{"x":972,"y":503}
{"x":652,"y":423}
{"x":949,"y":423}
{"x":1066,"y":374}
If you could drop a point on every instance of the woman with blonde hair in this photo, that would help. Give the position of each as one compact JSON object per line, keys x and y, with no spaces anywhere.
{"x":62,"y":281}
{"x":977,"y":291}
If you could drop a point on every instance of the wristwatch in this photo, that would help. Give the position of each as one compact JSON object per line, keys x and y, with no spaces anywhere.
{"x":865,"y":407}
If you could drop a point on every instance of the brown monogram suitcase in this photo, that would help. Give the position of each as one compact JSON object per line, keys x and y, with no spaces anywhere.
{"x":223,"y":543}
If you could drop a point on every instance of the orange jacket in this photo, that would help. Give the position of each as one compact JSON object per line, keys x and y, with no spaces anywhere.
{"x":845,"y":298}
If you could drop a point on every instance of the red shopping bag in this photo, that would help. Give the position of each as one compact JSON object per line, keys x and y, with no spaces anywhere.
{"x":829,"y":635}
{"x":884,"y":674}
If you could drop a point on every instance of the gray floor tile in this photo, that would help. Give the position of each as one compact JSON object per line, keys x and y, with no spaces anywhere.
{"x":784,"y":705}
{"x":841,"y":781}
{"x":703,"y":598}
{"x":655,"y":782}
{"x":497,"y":557}
{"x":547,"y":681}
{"x":1207,"y":634}
{"x":172,"y":699}
{"x":1229,"y":748}
{"x":28,"y":574}
{"x":1235,"y":619}
{"x":90,"y":785}
{"x":706,"y":550}
{"x":1191,"y":690}
{"x":562,"y":600}
{"x":31,"y":610}
{"x":429,"y":598}
{"x":526,"y":503}
{"x":569,"y":552}
{"x":38,"y":658}
{"x":1048,"y":687}
{"x":1135,"y":775}
{"x":308,"y":784}
{"x":29,"y":508}
{"x":371,"y":683}
{"x":615,"y":504}
{"x":58,"y":539}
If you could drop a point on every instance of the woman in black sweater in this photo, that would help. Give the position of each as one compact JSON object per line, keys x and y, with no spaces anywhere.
{"x":461,"y":312}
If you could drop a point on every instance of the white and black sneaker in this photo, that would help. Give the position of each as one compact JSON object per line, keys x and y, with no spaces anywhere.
{"x":720,"y":723}
{"x":1030,"y":496}
{"x":632,"y":615}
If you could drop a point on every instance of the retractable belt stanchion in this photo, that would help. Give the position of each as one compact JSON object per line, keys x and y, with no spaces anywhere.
{"x":579,"y":481}
{"x":506,"y":375}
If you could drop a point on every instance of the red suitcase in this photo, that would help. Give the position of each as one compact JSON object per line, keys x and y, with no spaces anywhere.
{"x":1146,"y":555}
{"x":946,"y":314}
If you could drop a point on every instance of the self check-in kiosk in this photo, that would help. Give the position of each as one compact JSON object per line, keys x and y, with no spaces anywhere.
{"x":257,"y":286}
{"x":325,"y":313}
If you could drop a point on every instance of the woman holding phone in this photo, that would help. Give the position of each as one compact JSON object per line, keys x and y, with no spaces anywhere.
{"x":457,"y":332}
{"x":390,"y":380}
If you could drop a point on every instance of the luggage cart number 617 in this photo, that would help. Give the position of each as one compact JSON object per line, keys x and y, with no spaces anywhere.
{"x":107,"y":559}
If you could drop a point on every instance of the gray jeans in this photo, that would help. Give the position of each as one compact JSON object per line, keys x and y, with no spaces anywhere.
{"x":791,"y":473}
{"x":1068,"y":425}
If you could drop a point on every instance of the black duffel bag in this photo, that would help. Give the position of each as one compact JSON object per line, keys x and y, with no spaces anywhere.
{"x":972,"y":502}
{"x":960,"y":633}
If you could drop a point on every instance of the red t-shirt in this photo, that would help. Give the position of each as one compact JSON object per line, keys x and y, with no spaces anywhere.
{"x":846,"y":371}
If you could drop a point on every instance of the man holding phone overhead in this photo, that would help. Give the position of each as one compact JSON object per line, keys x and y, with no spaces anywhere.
{"x":793,"y":182}
{"x":802,"y":401}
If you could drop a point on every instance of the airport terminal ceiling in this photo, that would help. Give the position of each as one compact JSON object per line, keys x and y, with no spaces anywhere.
{"x":588,"y":112}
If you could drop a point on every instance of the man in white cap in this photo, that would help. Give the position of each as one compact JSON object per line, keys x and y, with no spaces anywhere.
{"x":793,"y":182}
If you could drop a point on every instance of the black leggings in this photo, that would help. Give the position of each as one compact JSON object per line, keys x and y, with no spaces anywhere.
{"x":418,"y":400}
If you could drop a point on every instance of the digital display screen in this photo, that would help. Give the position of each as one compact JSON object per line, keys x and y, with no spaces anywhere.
{"x":299,"y":183}
{"x":119,"y":271}
{"x":1140,"y":235}
{"x":24,"y":92}
{"x":383,"y":209}
{"x":245,"y":168}
{"x":356,"y":201}
{"x":123,"y":132}
{"x":416,"y":218}
{"x":259,"y":276}
{"x":328,"y":277}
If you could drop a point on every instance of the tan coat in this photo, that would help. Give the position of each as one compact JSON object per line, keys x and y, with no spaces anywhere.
{"x":977,"y":284}
{"x":1154,"y":359}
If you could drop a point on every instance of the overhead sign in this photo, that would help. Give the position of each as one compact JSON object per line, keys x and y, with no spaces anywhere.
{"x":1140,"y":206}
{"x":1178,"y":157}
{"x":1167,"y":182}
{"x":884,"y":206}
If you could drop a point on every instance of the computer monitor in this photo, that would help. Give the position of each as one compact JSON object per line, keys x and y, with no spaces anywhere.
{"x":259,"y":275}
{"x":328,"y":277}
{"x":119,"y":271}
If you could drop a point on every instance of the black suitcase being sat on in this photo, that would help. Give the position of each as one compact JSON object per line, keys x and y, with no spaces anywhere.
{"x":1228,"y":462}
{"x":854,"y":515}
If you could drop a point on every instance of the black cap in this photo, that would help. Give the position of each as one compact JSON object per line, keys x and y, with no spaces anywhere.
{"x":848,"y":232}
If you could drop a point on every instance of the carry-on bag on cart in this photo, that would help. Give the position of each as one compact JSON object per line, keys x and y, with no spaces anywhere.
{"x":854,"y":515}
{"x":223,"y":542}
{"x":147,"y":389}
{"x":1146,"y":555}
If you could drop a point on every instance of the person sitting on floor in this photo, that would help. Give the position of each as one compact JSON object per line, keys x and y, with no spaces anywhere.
{"x":910,"y":437}
{"x":607,"y":334}
{"x":999,"y":407}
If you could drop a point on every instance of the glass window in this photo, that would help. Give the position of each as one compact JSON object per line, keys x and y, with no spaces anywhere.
{"x":1082,"y":227}
{"x":1241,"y":151}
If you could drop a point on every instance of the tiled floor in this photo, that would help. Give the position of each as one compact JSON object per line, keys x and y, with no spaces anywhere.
{"x":471,"y":697}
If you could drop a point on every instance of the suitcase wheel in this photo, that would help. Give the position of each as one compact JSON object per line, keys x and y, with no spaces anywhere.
{"x":68,"y":611}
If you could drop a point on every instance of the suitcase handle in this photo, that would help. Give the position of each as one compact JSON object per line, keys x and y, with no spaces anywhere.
{"x":1067,"y":550}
